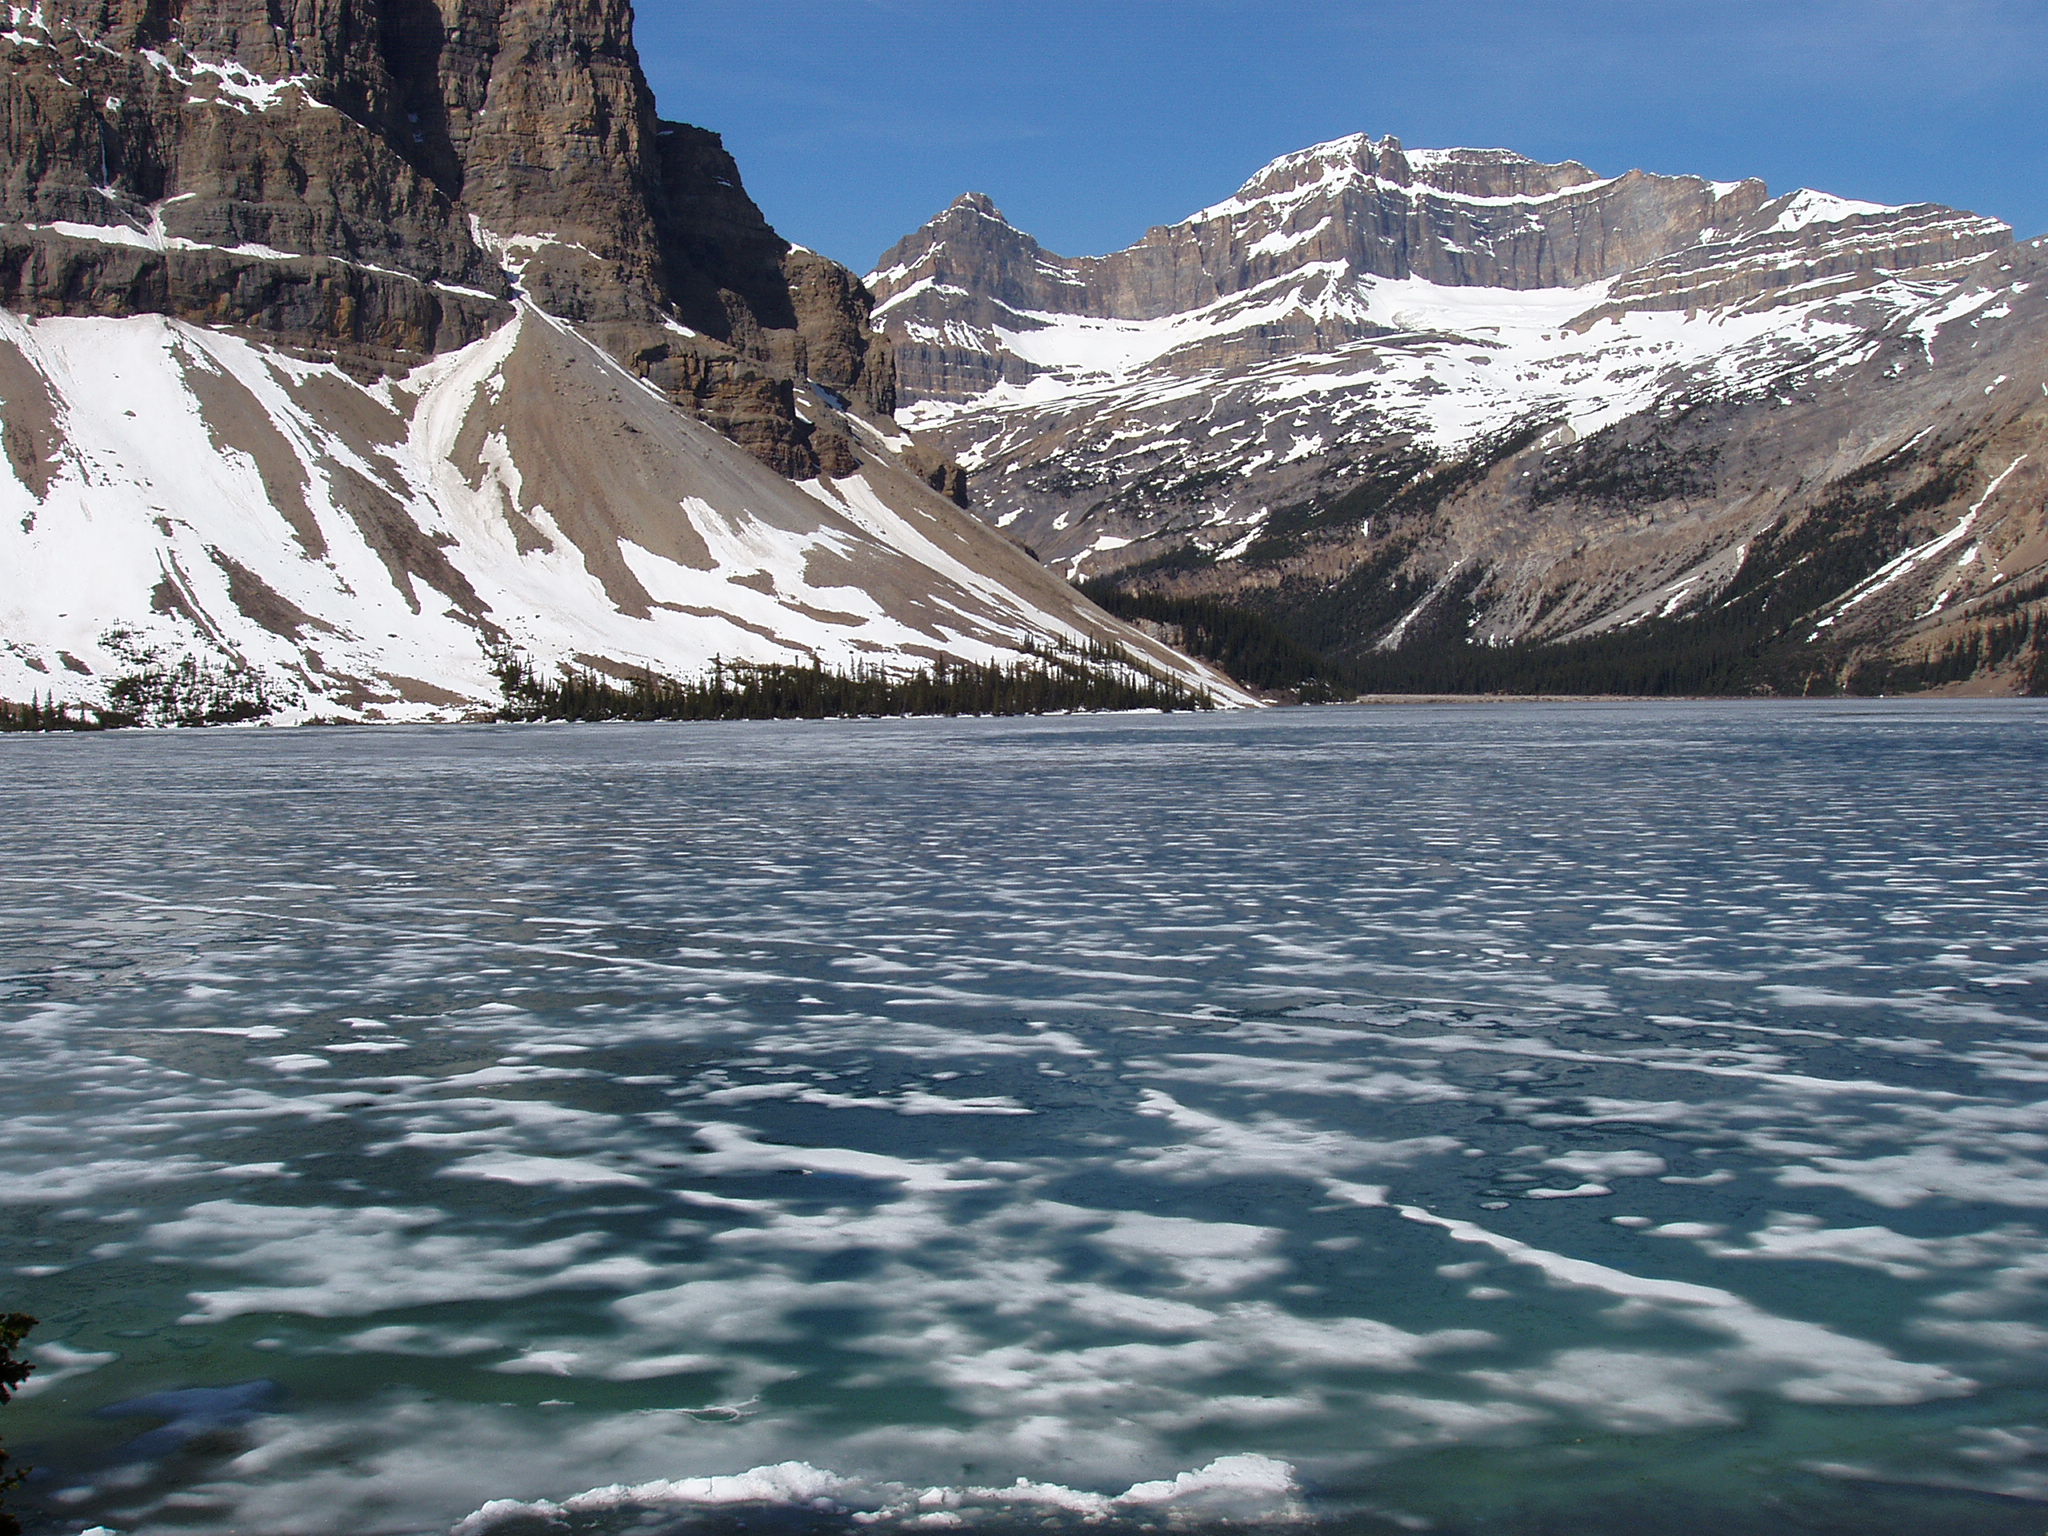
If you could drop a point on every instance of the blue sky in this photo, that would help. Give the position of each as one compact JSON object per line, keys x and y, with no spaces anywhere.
{"x":1090,"y":120}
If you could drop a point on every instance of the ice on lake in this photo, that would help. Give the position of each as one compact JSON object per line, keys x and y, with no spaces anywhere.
{"x":1523,"y":1119}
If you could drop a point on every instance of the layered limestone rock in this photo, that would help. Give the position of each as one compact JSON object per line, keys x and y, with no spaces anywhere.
{"x":1388,"y":397}
{"x":1804,"y":246}
{"x":381,"y":179}
{"x":962,"y":295}
{"x":361,"y":354}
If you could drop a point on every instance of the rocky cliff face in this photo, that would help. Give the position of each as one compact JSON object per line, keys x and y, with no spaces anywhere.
{"x":1394,"y":397}
{"x":380,"y":178}
{"x":357,"y":345}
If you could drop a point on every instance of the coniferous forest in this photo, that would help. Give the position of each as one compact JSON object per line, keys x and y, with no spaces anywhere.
{"x":14,"y":1371}
{"x":1748,"y":646}
{"x":47,"y":713}
{"x":154,"y":689}
{"x":1317,"y":639}
{"x":1046,"y":681}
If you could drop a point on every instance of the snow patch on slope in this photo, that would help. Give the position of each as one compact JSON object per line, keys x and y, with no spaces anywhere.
{"x":372,"y":548}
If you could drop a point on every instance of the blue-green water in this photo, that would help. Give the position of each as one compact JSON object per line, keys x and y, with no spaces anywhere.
{"x":1519,"y":1119}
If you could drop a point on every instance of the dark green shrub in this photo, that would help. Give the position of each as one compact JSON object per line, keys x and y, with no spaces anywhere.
{"x":13,"y":1372}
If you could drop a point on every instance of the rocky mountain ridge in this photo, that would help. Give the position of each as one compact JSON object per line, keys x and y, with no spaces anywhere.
{"x":360,"y":343}
{"x":1389,"y":398}
{"x":382,"y":179}
{"x":1362,"y":208}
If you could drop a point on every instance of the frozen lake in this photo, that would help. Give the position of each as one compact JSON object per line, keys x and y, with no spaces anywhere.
{"x":1587,"y":1119}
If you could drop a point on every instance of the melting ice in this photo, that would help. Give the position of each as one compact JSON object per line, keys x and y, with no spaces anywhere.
{"x":1506,"y":1119}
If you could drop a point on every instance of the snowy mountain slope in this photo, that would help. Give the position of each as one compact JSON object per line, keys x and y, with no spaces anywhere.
{"x":360,"y":355}
{"x":1886,"y":498}
{"x":372,"y":548}
{"x":1301,"y":249}
{"x":1374,"y":375}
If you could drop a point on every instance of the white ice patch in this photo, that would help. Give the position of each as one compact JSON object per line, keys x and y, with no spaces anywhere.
{"x":1803,"y":1238}
{"x":1206,"y":1255}
{"x":1903,"y":1179}
{"x":1639,"y":1391}
{"x":1215,"y":1147}
{"x":1235,"y":1488}
{"x":547,"y":1172}
{"x":733,"y":1149}
{"x":57,"y":1363}
{"x":1629,"y":1164}
{"x":322,"y":1261}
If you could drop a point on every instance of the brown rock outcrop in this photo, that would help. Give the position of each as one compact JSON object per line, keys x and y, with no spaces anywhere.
{"x":384,"y":177}
{"x":940,"y":473}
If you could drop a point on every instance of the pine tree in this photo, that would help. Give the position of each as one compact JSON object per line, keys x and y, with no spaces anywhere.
{"x":14,"y":1371}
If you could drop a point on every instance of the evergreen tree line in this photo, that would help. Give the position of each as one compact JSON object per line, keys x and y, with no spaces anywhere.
{"x":154,"y":690}
{"x":14,"y":1371}
{"x":187,"y":692}
{"x":1739,"y":650}
{"x":1247,"y":645}
{"x":1982,"y":649}
{"x":1047,"y":680}
{"x":1753,"y":638}
{"x":45,"y":712}
{"x":1744,"y":646}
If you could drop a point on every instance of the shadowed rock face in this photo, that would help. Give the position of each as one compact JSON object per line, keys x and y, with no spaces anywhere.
{"x":379,"y":178}
{"x":361,"y":345}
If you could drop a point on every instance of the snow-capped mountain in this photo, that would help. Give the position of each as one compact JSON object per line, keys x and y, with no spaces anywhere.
{"x":360,"y":346}
{"x":1384,"y":395}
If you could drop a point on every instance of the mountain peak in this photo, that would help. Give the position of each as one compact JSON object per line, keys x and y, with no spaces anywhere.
{"x":1295,"y":261}
{"x":977,"y":202}
{"x":969,"y":246}
{"x":1259,"y":403}
{"x":445,"y":347}
{"x":1359,"y":163}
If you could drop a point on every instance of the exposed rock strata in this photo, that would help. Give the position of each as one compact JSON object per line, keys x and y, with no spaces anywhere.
{"x":362,"y":346}
{"x":1395,"y":398}
{"x":1366,"y":208}
{"x":381,"y":178}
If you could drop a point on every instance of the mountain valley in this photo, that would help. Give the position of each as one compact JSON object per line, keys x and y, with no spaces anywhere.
{"x":355,"y":357}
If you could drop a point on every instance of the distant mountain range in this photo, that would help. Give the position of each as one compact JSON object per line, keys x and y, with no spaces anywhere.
{"x":1459,"y":419}
{"x":362,"y":349}
{"x":356,"y":355}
